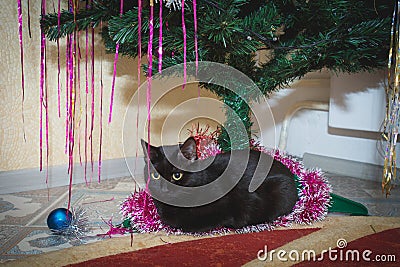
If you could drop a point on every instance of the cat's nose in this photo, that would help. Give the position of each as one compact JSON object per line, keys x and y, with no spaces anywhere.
{"x":164,"y":187}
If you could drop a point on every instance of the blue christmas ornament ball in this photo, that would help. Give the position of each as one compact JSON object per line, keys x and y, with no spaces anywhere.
{"x":59,"y":219}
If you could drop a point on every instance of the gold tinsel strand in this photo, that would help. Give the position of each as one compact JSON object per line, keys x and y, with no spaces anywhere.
{"x":391,"y":123}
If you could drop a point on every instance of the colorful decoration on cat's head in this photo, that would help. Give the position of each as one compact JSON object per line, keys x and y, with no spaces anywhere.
{"x":312,"y":206}
{"x":206,"y":141}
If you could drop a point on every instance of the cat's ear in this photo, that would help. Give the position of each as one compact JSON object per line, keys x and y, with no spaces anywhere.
{"x":189,"y":149}
{"x":152,"y":153}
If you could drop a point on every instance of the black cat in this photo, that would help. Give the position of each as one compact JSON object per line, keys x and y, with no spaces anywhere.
{"x":236,"y":205}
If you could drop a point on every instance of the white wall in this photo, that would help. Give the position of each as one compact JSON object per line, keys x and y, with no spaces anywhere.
{"x":357,"y":101}
{"x":310,"y":132}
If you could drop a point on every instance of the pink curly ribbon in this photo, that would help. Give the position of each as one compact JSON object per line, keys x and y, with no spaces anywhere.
{"x":115,"y":68}
{"x":114,"y":230}
{"x":184,"y":44}
{"x":160,"y":41}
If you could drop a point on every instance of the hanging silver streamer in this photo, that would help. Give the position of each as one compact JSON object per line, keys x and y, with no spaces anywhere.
{"x":79,"y":225}
{"x":175,"y":4}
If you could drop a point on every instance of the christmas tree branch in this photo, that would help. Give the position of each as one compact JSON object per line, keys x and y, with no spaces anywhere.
{"x":85,"y":18}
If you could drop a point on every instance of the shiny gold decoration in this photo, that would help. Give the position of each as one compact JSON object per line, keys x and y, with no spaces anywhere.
{"x":392,"y":119}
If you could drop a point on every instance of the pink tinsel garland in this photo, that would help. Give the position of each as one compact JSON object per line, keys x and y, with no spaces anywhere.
{"x":312,"y":206}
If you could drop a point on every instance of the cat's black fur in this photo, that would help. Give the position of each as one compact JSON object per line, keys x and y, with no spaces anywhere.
{"x":276,"y":195}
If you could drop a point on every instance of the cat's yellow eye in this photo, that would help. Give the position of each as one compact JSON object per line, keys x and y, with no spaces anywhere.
{"x":155,"y":175}
{"x":177,"y":176}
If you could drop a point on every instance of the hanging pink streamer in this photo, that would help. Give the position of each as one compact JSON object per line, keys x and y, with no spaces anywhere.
{"x":86,"y":102}
{"x":58,"y":17}
{"x":74,"y":72}
{"x":58,"y":60}
{"x":45,"y":97}
{"x":66,"y":93}
{"x":184,"y":44}
{"x":47,"y":132}
{"x":45,"y":103}
{"x":70,"y":102}
{"x":86,"y":61}
{"x":101,"y":124}
{"x":29,"y":19}
{"x":78,"y":88}
{"x":139,"y":41}
{"x":58,"y":79}
{"x":42,"y":80}
{"x":71,"y":83}
{"x":149,"y":83}
{"x":113,"y":82}
{"x":86,"y":99}
{"x":92,"y":109}
{"x":196,"y":50}
{"x":115,"y":68}
{"x":138,"y":77}
{"x":71,"y":140}
{"x":73,"y":59}
{"x":101,"y":110}
{"x":21,"y":55}
{"x":160,"y":40}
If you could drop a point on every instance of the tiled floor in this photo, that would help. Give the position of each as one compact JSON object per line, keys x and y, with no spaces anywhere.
{"x":368,"y":193}
{"x":23,"y":228}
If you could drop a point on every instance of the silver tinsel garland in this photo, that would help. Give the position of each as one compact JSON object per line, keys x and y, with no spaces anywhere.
{"x":78,"y":227}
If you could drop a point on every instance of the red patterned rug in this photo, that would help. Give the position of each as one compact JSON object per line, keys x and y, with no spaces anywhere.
{"x":229,"y":250}
{"x":380,"y":249}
